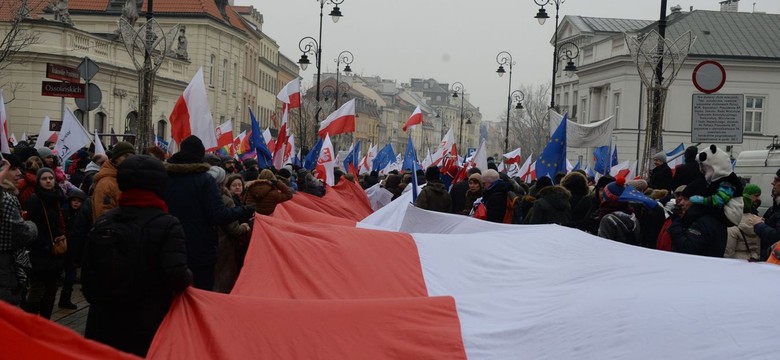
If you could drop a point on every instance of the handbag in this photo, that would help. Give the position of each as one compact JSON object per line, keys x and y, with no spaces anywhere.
{"x":59,"y":244}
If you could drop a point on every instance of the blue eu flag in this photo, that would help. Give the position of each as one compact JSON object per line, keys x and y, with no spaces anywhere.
{"x":258,"y":143}
{"x":310,"y":162}
{"x":553,"y":158}
{"x":352,"y":157}
{"x":384,"y":157}
{"x":410,"y":157}
{"x":632,"y":195}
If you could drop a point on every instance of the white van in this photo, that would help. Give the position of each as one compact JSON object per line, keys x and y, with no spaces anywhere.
{"x":759,"y":167}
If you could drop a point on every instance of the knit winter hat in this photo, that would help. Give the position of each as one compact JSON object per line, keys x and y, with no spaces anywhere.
{"x":121,"y":148}
{"x":14,"y":161}
{"x":614,"y":189}
{"x":266,"y":175}
{"x":217,"y":173}
{"x":638,"y":184}
{"x":142,"y":172}
{"x":690,"y":154}
{"x":432,"y":174}
{"x":660,"y":156}
{"x":751,"y":189}
{"x":76,"y":194}
{"x":193,"y":146}
{"x":490,"y":176}
{"x":697,"y":187}
{"x":604,"y":181}
{"x":476,"y":177}
{"x":45,"y":152}
{"x":40,"y":173}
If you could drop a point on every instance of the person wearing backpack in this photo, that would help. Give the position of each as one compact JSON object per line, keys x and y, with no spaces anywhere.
{"x":434,"y":195}
{"x":552,"y":207}
{"x":135,"y":260}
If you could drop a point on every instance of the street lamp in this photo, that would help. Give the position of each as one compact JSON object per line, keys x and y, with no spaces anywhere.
{"x":569,"y":51}
{"x":440,"y":115}
{"x":345,"y":57}
{"x":457,"y":87}
{"x":331,"y":92}
{"x":309,"y":46}
{"x":542,"y":17}
{"x":505,"y":58}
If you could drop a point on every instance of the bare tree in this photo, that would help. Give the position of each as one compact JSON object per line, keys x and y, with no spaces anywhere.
{"x":529,"y":127}
{"x":14,"y":41}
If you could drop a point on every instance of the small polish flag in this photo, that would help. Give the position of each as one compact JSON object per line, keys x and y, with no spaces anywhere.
{"x":224,"y":133}
{"x":191,"y":114}
{"x":326,"y":162}
{"x":291,"y":94}
{"x":340,"y":121}
{"x":416,"y":118}
{"x":513,"y":157}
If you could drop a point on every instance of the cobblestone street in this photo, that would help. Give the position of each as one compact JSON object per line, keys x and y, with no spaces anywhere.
{"x":75,"y":320}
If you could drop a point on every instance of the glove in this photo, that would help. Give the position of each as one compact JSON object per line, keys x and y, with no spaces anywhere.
{"x":696,"y":199}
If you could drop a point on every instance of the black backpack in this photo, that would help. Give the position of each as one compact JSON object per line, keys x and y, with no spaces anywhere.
{"x":114,"y":258}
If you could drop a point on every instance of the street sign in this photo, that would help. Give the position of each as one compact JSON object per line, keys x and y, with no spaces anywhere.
{"x":709,"y":76}
{"x":63,"y":89}
{"x":95,"y":98}
{"x":88,"y":69}
{"x":55,"y":125}
{"x":64,"y":73}
{"x":717,"y":118}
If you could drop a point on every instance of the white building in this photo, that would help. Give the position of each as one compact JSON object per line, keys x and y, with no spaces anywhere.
{"x":607,"y":82}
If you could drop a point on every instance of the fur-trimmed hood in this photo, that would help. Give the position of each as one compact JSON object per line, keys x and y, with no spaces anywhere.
{"x":194,"y":168}
{"x":9,"y":187}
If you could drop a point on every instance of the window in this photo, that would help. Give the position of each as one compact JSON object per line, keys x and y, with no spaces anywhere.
{"x":616,"y":104}
{"x":583,"y":106}
{"x":212,"y":60}
{"x":100,"y":122}
{"x":161,"y":125}
{"x":235,"y":77}
{"x":224,"y":74}
{"x":80,"y":115}
{"x":754,"y":113}
{"x":131,"y":122}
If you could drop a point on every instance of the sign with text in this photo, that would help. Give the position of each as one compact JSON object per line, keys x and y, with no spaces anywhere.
{"x":64,"y":73}
{"x":717,"y":118}
{"x":63,"y":89}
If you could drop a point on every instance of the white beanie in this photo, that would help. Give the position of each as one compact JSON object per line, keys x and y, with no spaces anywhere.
{"x":217,"y":173}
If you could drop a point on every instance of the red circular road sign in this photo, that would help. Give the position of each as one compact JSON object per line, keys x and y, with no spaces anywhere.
{"x":709,"y":76}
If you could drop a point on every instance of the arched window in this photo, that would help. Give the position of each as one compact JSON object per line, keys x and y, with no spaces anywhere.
{"x":100,"y":123}
{"x":80,"y":116}
{"x":131,"y":122}
{"x":161,"y":127}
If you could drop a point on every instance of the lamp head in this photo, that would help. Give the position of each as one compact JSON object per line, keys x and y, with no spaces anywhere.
{"x":347,"y":69}
{"x":304,"y":62}
{"x":570,"y":67}
{"x":468,"y":121}
{"x":335,"y":14}
{"x":542,"y":16}
{"x":454,"y":94}
{"x":501,"y":70}
{"x":519,"y":106}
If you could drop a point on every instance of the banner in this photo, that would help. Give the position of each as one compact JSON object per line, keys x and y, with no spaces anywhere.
{"x":584,"y":135}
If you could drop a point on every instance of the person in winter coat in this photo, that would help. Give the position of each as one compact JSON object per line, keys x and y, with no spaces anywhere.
{"x":474,"y":193}
{"x":193,"y":197}
{"x":106,"y":193}
{"x":434,"y":196}
{"x":697,"y":231}
{"x":392,"y":184}
{"x":661,"y":175}
{"x":73,"y":208}
{"x":230,"y":250}
{"x":768,"y":227}
{"x":235,"y":185}
{"x":29,"y":180}
{"x":251,"y":170}
{"x":689,"y":171}
{"x":577,"y":184}
{"x":44,"y":208}
{"x":266,"y":192}
{"x":90,"y":171}
{"x":742,"y":242}
{"x":15,"y":235}
{"x":459,"y":189}
{"x":494,"y":196}
{"x":552,"y":207}
{"x":129,"y":322}
{"x":618,"y":221}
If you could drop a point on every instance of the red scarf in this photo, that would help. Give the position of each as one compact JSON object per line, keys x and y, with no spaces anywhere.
{"x":142,"y":198}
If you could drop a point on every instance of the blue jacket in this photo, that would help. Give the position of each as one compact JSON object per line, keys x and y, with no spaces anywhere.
{"x":193,"y":197}
{"x":699,"y":232}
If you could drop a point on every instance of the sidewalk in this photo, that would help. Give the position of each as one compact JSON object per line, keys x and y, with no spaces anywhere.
{"x":75,"y":320}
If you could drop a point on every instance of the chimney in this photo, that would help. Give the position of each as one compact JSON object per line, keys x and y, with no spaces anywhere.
{"x":729,"y":6}
{"x":676,"y":9}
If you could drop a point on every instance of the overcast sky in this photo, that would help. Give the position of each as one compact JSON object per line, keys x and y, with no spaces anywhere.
{"x":448,"y":40}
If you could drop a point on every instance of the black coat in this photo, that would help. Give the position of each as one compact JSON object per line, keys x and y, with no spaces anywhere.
{"x":661,"y":178}
{"x":698,"y":232}
{"x":552,"y":207}
{"x":193,"y":197}
{"x":769,"y":230}
{"x":165,"y":274}
{"x":686,"y":174}
{"x":434,"y":197}
{"x":458,"y":194}
{"x":495,"y":200}
{"x":43,"y":262}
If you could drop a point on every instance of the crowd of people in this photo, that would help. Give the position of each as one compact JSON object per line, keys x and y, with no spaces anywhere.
{"x":143,"y":227}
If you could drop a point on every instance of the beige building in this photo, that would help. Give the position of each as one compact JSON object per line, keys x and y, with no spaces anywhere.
{"x":239,"y":61}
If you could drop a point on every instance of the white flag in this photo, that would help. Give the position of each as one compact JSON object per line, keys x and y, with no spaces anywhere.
{"x":99,"y":149}
{"x":44,"y":134}
{"x":326,"y":162}
{"x":72,"y":136}
{"x":584,"y":135}
{"x":3,"y":126}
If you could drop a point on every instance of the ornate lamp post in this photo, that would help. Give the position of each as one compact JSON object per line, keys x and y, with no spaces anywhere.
{"x":345,"y":57}
{"x":505,"y":58}
{"x":457,"y":87}
{"x":332,"y":92}
{"x":542,"y":17}
{"x":309,"y":46}
{"x":569,"y":51}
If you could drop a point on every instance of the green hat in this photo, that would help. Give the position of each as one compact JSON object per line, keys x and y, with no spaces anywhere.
{"x":751,"y":189}
{"x":121,"y":148}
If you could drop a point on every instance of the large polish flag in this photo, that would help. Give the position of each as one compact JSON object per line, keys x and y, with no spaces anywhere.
{"x":340,"y":121}
{"x":291,"y":94}
{"x":191,"y":114}
{"x":450,"y":287}
{"x":224,"y":133}
{"x":415,"y":119}
{"x":282,"y":145}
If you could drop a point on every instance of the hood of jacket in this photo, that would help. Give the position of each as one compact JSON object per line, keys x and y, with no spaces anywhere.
{"x":107,"y":170}
{"x":9,"y":187}
{"x":186,"y":168}
{"x":556,"y":196}
{"x":259,"y":188}
{"x":92,"y":166}
{"x":436,"y":186}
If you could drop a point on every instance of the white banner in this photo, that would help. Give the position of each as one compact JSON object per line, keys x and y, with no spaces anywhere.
{"x":72,"y":136}
{"x":584,"y":135}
